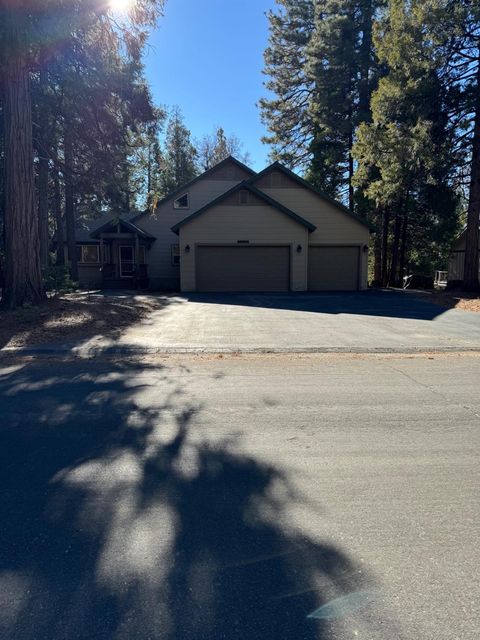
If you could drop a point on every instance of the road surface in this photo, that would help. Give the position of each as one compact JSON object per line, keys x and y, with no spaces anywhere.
{"x":316,"y":497}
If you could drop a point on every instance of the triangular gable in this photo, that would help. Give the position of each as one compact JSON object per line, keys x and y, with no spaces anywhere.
{"x":114,"y":224}
{"x":227,"y":197}
{"x":228,"y":169}
{"x":290,"y":178}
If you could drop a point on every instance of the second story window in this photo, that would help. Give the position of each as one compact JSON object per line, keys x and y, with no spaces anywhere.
{"x":182,"y":202}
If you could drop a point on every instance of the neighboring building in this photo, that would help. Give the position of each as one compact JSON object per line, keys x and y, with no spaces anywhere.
{"x":232,"y":229}
{"x":457,"y":261}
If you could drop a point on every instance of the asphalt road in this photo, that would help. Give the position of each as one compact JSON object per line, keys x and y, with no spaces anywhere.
{"x":207,"y":497}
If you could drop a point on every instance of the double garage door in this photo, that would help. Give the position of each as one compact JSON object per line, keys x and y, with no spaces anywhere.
{"x":243,"y":268}
{"x":267,"y":268}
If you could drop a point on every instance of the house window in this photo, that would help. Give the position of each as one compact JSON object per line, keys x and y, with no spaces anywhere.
{"x":182,"y":202}
{"x":175,"y":254}
{"x":89,"y":253}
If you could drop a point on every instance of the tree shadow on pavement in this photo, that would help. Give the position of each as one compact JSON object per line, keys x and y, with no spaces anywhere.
{"x":119,"y":520}
{"x":75,"y":318}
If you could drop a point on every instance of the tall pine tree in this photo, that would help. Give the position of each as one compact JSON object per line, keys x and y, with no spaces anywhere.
{"x":454,"y":28}
{"x":180,"y":155}
{"x":322,"y":71}
{"x":286,"y":111}
{"x":406,"y":158}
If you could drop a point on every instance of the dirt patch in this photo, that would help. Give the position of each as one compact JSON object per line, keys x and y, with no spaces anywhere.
{"x":451,"y":299}
{"x":76,"y":317}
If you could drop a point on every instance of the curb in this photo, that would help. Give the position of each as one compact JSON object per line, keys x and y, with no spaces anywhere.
{"x":91,"y":352}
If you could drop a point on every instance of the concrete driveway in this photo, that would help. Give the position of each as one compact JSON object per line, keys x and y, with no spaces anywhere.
{"x":369,"y":321}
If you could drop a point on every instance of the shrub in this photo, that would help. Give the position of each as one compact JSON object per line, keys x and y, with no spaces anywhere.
{"x":57,"y":279}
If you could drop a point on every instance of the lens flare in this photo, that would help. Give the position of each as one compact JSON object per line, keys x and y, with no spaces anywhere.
{"x":121,"y":6}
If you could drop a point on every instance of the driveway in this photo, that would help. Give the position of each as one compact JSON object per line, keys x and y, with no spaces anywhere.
{"x":369,"y":321}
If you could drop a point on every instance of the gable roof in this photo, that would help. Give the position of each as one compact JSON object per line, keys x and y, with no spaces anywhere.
{"x":124,"y":223}
{"x":307,"y":185}
{"x":185,"y":187}
{"x":83,"y":234}
{"x":249,"y":187}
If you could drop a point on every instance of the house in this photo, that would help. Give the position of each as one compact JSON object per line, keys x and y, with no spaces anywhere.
{"x":457,"y":261}
{"x":231,"y":229}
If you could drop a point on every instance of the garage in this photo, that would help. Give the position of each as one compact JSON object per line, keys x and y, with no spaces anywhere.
{"x":333,"y":268}
{"x":243,"y":268}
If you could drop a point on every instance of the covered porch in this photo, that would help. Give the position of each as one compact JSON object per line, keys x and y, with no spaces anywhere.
{"x":123,"y":255}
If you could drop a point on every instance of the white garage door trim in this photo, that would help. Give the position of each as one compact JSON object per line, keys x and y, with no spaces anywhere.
{"x":244,"y":245}
{"x":338,"y":246}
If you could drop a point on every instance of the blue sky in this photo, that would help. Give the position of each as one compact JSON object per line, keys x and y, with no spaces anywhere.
{"x":206,"y":56}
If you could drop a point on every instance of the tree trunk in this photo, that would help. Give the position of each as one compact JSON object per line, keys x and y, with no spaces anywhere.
{"x":57,"y":207}
{"x":377,"y":259}
{"x":70,"y":204}
{"x":393,"y":276}
{"x":470,"y":272}
{"x":351,"y":168}
{"x":403,"y":248}
{"x":23,"y":279}
{"x":43,"y":171}
{"x":385,"y":229}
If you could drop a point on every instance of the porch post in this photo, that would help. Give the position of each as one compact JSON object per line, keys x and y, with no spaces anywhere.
{"x":137,"y":256}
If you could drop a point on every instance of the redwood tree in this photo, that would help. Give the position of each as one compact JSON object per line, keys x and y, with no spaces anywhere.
{"x":23,"y":280}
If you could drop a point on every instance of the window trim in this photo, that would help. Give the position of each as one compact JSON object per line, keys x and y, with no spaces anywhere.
{"x":82,"y":254}
{"x":177,"y":206}
{"x":175,"y":253}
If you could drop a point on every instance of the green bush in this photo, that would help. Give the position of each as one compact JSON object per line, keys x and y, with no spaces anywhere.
{"x":57,"y":279}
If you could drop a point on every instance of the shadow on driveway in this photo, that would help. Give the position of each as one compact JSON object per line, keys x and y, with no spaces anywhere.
{"x":393,"y":304}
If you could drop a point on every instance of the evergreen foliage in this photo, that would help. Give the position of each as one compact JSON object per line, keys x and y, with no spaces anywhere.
{"x":215,"y":147}
{"x":378,"y":102}
{"x":97,"y":143}
{"x":180,"y":156}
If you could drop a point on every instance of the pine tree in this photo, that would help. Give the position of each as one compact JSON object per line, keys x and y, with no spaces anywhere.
{"x":406,"y":158}
{"x":454,"y":27}
{"x":217,"y":146}
{"x":286,"y":113}
{"x":179,"y":154}
{"x":322,"y":71}
{"x":341,"y":68}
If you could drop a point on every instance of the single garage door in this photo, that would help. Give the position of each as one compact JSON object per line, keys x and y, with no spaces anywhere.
{"x":333,"y":268}
{"x":243,"y":268}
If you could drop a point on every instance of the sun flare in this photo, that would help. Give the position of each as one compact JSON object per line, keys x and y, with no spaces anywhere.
{"x":121,"y":6}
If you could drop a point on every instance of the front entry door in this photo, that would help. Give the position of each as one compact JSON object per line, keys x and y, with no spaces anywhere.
{"x":127,"y":261}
